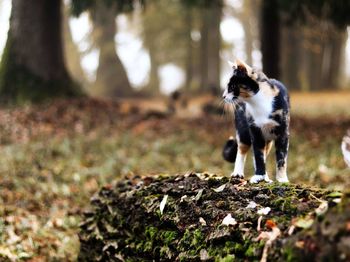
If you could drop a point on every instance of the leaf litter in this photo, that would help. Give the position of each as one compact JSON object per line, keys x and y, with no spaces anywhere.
{"x":56,"y":155}
{"x":216,"y":224}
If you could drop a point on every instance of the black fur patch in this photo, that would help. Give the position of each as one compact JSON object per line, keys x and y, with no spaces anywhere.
{"x":241,"y":80}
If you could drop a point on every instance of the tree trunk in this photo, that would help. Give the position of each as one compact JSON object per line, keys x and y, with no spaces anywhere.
{"x":202,"y":217}
{"x":111,"y":77}
{"x":204,"y":30}
{"x":247,"y":16}
{"x":270,"y":38}
{"x":291,"y":58}
{"x":72,"y":53}
{"x":32,"y":67}
{"x":154,"y":82}
{"x":189,"y":48}
{"x":214,"y":46}
{"x":335,"y":72}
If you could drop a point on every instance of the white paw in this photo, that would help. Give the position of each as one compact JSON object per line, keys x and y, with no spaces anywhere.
{"x":233,"y":174}
{"x":282,"y":179}
{"x":258,"y":178}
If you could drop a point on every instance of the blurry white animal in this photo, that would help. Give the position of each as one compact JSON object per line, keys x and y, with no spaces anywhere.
{"x":345,"y":147}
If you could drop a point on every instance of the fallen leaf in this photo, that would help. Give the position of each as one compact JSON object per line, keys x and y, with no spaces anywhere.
{"x":291,"y":230}
{"x":300,"y":244}
{"x":322,"y":208}
{"x":202,"y":221}
{"x":335,"y":194}
{"x":270,"y":223}
{"x":264,"y":211}
{"x":337,"y":200}
{"x":259,"y":223}
{"x":252,"y":205}
{"x":229,"y":221}
{"x":220,"y":188}
{"x":183,"y":198}
{"x":163,"y":203}
{"x":199,"y":194}
{"x":269,"y":236}
{"x":305,"y":222}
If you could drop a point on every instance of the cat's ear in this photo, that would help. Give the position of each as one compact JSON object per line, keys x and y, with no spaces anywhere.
{"x":242,"y":64}
{"x":231,"y":64}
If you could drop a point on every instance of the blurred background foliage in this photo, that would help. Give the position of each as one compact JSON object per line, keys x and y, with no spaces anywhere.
{"x":57,"y":154}
{"x":303,"y":43}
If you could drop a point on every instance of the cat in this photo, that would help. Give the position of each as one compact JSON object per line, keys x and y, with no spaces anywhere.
{"x":262,"y":116}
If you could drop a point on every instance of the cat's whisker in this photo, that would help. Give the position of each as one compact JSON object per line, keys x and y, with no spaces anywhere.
{"x":224,"y":111}
{"x":221,"y":104}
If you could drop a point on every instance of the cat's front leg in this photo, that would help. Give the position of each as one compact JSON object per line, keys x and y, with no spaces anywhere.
{"x":259,"y":148}
{"x":240,"y":160}
{"x":282,"y":144}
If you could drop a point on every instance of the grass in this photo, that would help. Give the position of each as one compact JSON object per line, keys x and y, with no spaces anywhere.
{"x":54,"y":158}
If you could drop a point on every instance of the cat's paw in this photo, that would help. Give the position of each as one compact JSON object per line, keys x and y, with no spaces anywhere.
{"x":258,"y":178}
{"x":282,"y":179}
{"x":236,"y":175}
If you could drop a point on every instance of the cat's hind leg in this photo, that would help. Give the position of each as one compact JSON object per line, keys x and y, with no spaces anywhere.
{"x":282,"y":144}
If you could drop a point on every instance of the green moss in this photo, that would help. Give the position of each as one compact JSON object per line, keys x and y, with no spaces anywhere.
{"x":151,"y":233}
{"x":250,"y":252}
{"x":18,"y":85}
{"x":148,"y":246}
{"x":231,"y":247}
{"x":198,"y":239}
{"x":285,"y":204}
{"x":228,"y":258}
{"x":168,"y":237}
{"x":288,"y":254}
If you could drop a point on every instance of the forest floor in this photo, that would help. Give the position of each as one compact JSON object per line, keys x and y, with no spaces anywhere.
{"x":54,"y":157}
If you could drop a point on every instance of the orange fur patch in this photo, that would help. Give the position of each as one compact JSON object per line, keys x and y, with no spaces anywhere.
{"x":267,"y":90}
{"x":243,"y":148}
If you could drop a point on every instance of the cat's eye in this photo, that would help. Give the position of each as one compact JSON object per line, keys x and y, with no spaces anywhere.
{"x":230,"y":88}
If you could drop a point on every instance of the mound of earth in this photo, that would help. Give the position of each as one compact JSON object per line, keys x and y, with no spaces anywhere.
{"x":196,"y":217}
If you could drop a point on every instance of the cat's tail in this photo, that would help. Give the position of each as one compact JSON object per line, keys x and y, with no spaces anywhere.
{"x":230,"y":150}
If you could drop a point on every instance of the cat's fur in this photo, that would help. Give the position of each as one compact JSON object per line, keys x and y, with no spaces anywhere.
{"x":261,"y":116}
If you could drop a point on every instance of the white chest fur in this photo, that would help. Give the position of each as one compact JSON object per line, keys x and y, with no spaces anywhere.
{"x":259,"y":107}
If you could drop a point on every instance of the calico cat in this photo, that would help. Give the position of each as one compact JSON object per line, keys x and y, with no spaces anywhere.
{"x":261,"y":116}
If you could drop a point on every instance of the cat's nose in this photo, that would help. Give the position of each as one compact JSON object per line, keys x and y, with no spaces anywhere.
{"x":223,"y":96}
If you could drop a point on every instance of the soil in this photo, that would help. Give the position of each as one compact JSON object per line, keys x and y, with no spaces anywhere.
{"x":194,"y":217}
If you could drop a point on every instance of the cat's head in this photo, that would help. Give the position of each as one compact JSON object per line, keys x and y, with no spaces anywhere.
{"x":244,"y":83}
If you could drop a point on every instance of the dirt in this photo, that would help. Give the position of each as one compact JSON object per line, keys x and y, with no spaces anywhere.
{"x":195,"y":217}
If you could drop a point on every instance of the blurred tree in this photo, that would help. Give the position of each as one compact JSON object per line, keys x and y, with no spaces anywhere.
{"x":111,"y":76}
{"x":32,"y":67}
{"x":72,"y":53}
{"x":270,"y":38}
{"x":273,"y":12}
{"x":210,"y":46}
{"x":167,"y":36}
{"x":189,"y":48}
{"x":248,"y":15}
{"x":249,"y":21}
{"x":291,"y":59}
{"x":208,"y":67}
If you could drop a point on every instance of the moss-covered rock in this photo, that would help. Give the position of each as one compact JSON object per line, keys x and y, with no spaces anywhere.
{"x":180,"y":218}
{"x":327,"y":239}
